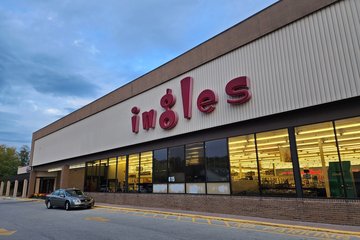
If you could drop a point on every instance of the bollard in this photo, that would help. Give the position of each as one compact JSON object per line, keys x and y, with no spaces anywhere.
{"x":24,"y":191}
{"x":1,"y":188}
{"x":16,"y":185}
{"x":7,"y":194}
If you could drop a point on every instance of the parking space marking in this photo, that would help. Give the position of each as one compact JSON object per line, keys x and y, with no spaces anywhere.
{"x":297,"y":231}
{"x":186,"y":219}
{"x":97,"y":219}
{"x":4,"y":232}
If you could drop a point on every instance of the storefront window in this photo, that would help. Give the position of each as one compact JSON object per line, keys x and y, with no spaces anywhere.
{"x":243,"y":165}
{"x":348,"y":136}
{"x":121,"y":174}
{"x":318,"y":160}
{"x":146,"y":165}
{"x":176,"y":165}
{"x":133,"y":173}
{"x":92,"y":176}
{"x":160,"y":166}
{"x":111,"y":175}
{"x":275,"y":164}
{"x":217,"y":161}
{"x":195,"y":164}
{"x":103,"y":175}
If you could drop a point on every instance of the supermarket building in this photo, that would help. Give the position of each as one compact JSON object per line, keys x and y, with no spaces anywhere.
{"x":261,"y":120}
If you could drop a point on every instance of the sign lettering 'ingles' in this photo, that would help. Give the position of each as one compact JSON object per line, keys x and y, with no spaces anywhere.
{"x":237,"y":89}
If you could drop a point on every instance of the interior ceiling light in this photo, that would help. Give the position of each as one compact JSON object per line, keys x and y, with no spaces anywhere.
{"x":271,"y":137}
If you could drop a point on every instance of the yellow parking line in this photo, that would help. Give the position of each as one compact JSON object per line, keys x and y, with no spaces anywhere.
{"x":227,"y":224}
{"x":97,"y":219}
{"x":4,"y":232}
{"x":326,"y":230}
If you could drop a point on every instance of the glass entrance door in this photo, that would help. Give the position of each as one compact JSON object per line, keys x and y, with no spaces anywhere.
{"x":46,"y":185}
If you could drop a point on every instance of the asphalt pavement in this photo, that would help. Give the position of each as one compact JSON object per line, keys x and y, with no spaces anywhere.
{"x":29,"y":219}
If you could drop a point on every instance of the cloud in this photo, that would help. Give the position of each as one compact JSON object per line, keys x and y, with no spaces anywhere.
{"x":62,"y":84}
{"x":9,"y":130}
{"x":53,"y":111}
{"x":56,"y":57}
{"x":14,"y":138}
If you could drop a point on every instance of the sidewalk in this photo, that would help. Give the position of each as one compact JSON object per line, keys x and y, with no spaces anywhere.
{"x":308,"y":226}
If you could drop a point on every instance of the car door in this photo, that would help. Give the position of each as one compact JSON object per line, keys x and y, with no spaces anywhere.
{"x":62,"y":198}
{"x":54,"y":198}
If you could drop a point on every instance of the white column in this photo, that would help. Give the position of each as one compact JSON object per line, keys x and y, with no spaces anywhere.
{"x":24,"y":192}
{"x":1,"y":188}
{"x":55,"y":183}
{"x":7,"y":188}
{"x":16,"y":185}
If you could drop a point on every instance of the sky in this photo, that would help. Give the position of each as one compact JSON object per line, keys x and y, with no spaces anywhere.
{"x":57,"y":56}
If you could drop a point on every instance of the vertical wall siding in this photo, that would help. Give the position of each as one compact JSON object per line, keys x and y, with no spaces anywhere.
{"x":312,"y":61}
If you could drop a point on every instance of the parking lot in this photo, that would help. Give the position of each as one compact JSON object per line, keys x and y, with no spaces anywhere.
{"x":21,"y":219}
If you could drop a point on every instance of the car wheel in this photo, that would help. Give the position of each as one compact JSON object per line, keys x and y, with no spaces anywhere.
{"x":48,"y":205}
{"x":67,"y":206}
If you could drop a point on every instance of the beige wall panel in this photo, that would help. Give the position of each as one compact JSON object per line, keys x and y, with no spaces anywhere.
{"x":312,"y":61}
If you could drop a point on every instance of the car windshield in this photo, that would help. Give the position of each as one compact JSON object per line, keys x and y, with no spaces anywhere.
{"x":75,"y":192}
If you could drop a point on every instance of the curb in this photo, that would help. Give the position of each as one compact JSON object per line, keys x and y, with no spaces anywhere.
{"x":22,"y":199}
{"x":352,"y":233}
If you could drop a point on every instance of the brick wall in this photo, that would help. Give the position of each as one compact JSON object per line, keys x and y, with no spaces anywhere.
{"x":335,"y":211}
{"x":76,"y":178}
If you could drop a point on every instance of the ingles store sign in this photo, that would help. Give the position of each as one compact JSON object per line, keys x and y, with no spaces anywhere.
{"x":237,"y":89}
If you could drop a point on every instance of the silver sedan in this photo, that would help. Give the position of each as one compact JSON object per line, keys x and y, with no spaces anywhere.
{"x":68,"y":199}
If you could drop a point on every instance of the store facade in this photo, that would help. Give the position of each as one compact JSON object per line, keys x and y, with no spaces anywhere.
{"x":263,"y":116}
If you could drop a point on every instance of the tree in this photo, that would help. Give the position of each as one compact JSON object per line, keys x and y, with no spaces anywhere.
{"x":9,"y":161}
{"x":24,"y":155}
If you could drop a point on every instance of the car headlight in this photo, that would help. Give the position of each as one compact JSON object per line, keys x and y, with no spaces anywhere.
{"x":76,"y":201}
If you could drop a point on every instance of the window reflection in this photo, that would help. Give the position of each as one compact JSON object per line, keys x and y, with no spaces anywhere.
{"x":217,"y":161}
{"x":348,"y":136}
{"x":92,"y":182}
{"x":133,"y":173}
{"x":103,"y":175}
{"x":318,"y":160}
{"x":243,"y":165}
{"x":146,"y":166}
{"x":176,"y":164}
{"x":195,"y":164}
{"x":121,"y":174}
{"x":111,"y":175}
{"x":160,"y":166}
{"x":275,"y":164}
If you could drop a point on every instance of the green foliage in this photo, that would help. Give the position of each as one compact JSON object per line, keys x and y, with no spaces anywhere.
{"x":24,"y":155}
{"x":9,"y":161}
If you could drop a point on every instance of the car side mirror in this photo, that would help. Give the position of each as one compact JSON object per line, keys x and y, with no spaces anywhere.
{"x":62,"y":195}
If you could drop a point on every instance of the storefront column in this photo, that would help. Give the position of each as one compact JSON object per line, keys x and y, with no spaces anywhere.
{"x":64,"y":179}
{"x":1,"y":188}
{"x":32,"y":179}
{"x":55,"y":182}
{"x":7,"y":194}
{"x":37,"y":185}
{"x":16,"y":186}
{"x":295,"y":162}
{"x":24,"y":191}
